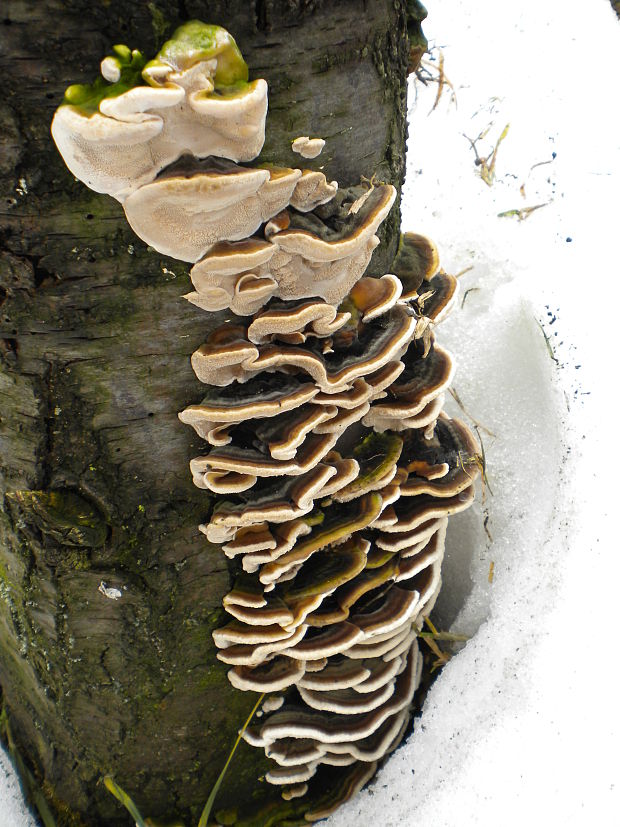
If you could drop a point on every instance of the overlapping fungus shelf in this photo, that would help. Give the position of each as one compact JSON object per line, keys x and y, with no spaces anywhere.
{"x":331,"y":466}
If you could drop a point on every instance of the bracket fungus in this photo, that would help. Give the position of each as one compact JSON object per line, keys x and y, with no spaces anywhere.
{"x":118,"y":133}
{"x":308,"y":147}
{"x":192,"y":205}
{"x":332,"y":464}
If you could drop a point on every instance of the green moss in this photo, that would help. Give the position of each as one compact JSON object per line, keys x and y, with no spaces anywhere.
{"x":192,"y":42}
{"x":63,"y":515}
{"x":195,"y":41}
{"x":64,"y":815}
{"x":77,"y":561}
{"x":227,"y":817}
{"x":52,"y":810}
{"x":275,"y":814}
{"x":210,"y":678}
{"x":158,"y":22}
{"x":418,"y":43}
{"x":376,"y":454}
{"x":88,"y":96}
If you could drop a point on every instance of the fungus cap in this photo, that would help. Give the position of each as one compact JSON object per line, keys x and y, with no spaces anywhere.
{"x":227,"y":277}
{"x":192,"y":206}
{"x":307,"y":265}
{"x":312,"y":190}
{"x":308,"y":147}
{"x":271,"y":676}
{"x":118,"y":136}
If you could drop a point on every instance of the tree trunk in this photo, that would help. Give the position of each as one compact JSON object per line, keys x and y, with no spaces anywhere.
{"x":94,"y":366}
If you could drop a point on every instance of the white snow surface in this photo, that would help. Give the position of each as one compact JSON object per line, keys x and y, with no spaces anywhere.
{"x":13,"y":810}
{"x":521,"y":725}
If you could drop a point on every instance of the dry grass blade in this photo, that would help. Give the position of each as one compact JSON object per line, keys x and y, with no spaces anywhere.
{"x":487,"y":165}
{"x":442,"y":657}
{"x":483,"y":461}
{"x":547,"y":343}
{"x":431,"y":638}
{"x":429,"y":72}
{"x":204,"y":818}
{"x":447,"y":636}
{"x":459,"y":402}
{"x":523,"y":213}
{"x":490,"y":171}
{"x":120,"y":794}
{"x":441,"y":80}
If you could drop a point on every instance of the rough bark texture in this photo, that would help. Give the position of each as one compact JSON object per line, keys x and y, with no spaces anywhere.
{"x":94,"y":365}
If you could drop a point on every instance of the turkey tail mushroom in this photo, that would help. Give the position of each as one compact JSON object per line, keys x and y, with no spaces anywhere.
{"x":332,"y":467}
{"x":119,"y":133}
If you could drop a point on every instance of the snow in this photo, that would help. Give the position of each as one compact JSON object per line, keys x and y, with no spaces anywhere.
{"x":521,"y":725}
{"x":13,"y":812}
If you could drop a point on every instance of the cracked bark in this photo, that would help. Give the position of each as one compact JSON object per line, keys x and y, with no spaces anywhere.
{"x":94,"y":365}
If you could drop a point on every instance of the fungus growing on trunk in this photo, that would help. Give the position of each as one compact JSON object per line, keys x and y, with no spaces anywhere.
{"x":192,"y":205}
{"x":332,"y":467}
{"x":308,"y":147}
{"x":193,"y":97}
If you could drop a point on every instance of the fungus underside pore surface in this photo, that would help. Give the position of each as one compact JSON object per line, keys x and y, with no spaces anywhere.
{"x":327,"y":467}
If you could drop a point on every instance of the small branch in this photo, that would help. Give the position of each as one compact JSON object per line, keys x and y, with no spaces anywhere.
{"x":427,"y":73}
{"x":466,"y":294}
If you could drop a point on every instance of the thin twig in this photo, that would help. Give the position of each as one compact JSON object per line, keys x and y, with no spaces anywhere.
{"x":428,"y":72}
{"x":466,"y":294}
{"x":485,"y":524}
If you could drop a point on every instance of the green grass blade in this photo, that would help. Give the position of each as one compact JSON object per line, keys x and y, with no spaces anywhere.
{"x":125,"y":800}
{"x":29,"y":784}
{"x":204,"y":818}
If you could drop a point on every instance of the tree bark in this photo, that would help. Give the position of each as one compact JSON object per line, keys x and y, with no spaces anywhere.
{"x":94,"y":366}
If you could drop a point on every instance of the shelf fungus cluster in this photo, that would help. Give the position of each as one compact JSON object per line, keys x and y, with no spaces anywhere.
{"x":332,"y":467}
